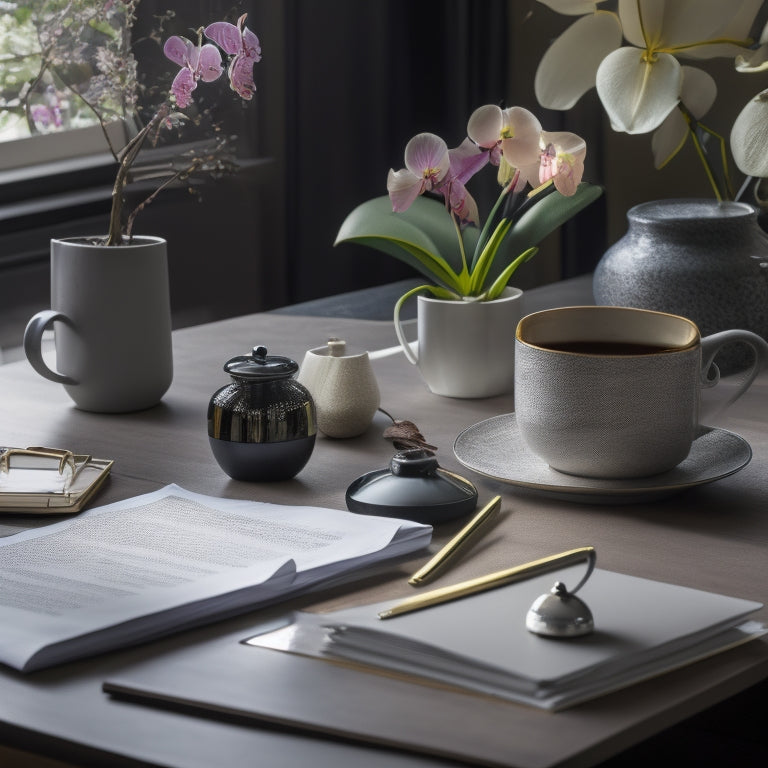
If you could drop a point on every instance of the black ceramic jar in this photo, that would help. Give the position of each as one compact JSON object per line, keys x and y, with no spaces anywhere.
{"x":262,"y":426}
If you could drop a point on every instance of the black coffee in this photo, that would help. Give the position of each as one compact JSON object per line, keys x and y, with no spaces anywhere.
{"x":604,"y":347}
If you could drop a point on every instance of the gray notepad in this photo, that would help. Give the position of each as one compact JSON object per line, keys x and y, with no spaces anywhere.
{"x":642,"y":628}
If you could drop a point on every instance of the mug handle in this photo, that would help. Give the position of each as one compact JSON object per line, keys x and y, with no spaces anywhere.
{"x":408,"y":350}
{"x":711,"y":345}
{"x":33,"y":342}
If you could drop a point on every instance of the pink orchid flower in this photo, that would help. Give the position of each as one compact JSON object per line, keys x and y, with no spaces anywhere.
{"x":513,"y":133}
{"x":432,"y":167}
{"x":486,"y":128}
{"x":539,"y":156}
{"x":462,"y":203}
{"x":562,"y":160}
{"x":197,"y":62}
{"x":243,"y":45}
{"x":426,"y":165}
{"x":465,"y":161}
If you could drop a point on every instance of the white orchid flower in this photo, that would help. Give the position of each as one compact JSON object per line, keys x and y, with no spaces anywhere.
{"x":569,"y":67}
{"x":639,"y":86}
{"x":749,"y":137}
{"x":756,"y":60}
{"x":697,"y":95}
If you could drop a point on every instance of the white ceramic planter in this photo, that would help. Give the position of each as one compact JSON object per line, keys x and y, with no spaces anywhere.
{"x":110,"y":311}
{"x":466,"y":348}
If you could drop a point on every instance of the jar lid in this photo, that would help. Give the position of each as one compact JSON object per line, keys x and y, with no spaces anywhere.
{"x":258,"y":366}
{"x":414,"y":487}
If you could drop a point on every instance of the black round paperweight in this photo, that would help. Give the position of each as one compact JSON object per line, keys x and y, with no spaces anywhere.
{"x":413,"y":487}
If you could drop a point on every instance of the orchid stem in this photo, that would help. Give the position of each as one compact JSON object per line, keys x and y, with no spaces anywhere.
{"x":533,"y":197}
{"x":707,"y":169}
{"x":504,"y":197}
{"x":723,"y":159}
{"x":744,"y":187}
{"x":724,"y":192}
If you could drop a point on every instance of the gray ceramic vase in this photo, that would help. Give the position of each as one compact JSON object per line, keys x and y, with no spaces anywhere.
{"x":701,"y":259}
{"x":111,"y":315}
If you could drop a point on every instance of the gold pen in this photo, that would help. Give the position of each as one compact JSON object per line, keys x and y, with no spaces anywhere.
{"x":469,"y":532}
{"x":490,"y":581}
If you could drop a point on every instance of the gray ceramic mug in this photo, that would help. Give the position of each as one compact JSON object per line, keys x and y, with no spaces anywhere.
{"x":111,"y":315}
{"x":613,"y":392}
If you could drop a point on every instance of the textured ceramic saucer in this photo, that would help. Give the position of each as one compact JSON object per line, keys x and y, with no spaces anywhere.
{"x":495,"y":448}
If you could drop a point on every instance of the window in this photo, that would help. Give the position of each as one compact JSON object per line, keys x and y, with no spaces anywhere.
{"x":58,"y":59}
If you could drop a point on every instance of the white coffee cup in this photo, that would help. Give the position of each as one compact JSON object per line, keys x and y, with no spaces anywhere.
{"x":613,"y":392}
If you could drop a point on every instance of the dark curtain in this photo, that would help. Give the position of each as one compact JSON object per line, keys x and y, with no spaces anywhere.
{"x":362,"y":77}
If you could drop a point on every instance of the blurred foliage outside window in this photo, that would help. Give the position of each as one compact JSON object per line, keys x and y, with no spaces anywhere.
{"x":59,"y":56}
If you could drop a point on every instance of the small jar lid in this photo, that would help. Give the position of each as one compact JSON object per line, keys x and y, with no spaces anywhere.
{"x":413,"y":487}
{"x":259,"y":366}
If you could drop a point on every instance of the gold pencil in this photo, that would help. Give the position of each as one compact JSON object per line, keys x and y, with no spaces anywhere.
{"x":467,"y":534}
{"x":490,"y":581}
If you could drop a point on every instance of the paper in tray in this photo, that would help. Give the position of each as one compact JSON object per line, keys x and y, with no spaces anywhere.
{"x":48,"y":480}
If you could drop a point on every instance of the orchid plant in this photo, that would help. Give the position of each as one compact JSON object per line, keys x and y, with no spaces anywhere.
{"x":430,"y":220}
{"x":110,"y":91}
{"x":631,"y":57}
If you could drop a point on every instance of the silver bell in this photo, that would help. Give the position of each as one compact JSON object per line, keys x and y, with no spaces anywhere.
{"x":560,"y":613}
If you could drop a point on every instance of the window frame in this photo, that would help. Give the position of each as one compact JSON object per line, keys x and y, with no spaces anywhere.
{"x":31,"y":154}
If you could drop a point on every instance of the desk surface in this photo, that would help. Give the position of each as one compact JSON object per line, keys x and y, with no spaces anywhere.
{"x":712,"y":537}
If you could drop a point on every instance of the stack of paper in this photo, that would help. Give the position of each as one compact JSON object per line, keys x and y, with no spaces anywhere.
{"x":137,"y":569}
{"x":642,"y":628}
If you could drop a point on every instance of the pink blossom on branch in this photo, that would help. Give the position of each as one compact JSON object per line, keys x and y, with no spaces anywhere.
{"x":243,"y":45}
{"x":197,"y":62}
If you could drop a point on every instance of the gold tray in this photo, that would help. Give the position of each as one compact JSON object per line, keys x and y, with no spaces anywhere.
{"x":43,"y":481}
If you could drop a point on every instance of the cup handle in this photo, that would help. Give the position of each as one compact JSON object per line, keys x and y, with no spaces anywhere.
{"x":33,"y":342}
{"x":711,"y":345}
{"x":408,"y":351}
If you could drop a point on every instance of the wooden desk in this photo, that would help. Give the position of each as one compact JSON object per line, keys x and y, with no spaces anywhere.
{"x":713,"y":537}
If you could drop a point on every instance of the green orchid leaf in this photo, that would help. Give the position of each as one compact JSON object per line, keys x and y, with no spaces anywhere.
{"x":425,"y":229}
{"x":501,"y":281}
{"x":482,"y":240}
{"x":485,"y":261}
{"x":426,"y":262}
{"x":547,"y":215}
{"x":425,"y":237}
